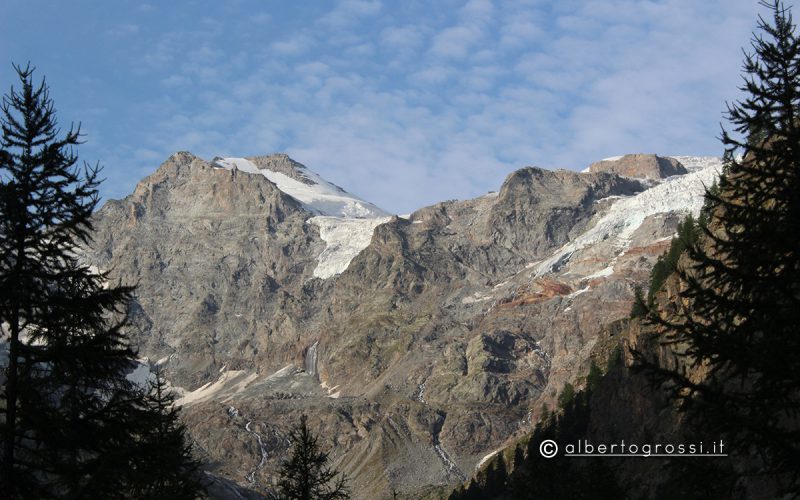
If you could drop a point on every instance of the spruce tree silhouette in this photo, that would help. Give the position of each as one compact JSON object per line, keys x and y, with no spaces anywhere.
{"x":306,"y":475}
{"x":736,"y":318}
{"x":67,"y":411}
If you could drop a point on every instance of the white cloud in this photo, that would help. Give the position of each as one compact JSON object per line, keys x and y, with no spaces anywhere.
{"x":477,"y":10}
{"x":518,"y":33}
{"x":456,"y":42}
{"x":314,"y":68}
{"x":432,"y":75}
{"x":293,"y":46}
{"x":349,"y":12}
{"x":176,"y":81}
{"x":402,"y":38}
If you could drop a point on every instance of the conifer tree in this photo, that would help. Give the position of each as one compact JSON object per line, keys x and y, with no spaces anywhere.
{"x":65,"y":354}
{"x":519,"y":456}
{"x":566,"y":396}
{"x":639,"y":307}
{"x":496,"y":485}
{"x":165,"y":466}
{"x":473,"y":491}
{"x":594,"y":377}
{"x":306,"y":475}
{"x":70,"y":421}
{"x":741,"y":289}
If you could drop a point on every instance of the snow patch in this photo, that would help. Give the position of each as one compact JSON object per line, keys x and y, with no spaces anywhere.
{"x":226,"y":386}
{"x":344,"y":238}
{"x":283,"y":372}
{"x":332,"y":392}
{"x":475,"y":297}
{"x":578,"y":292}
{"x":320,"y":197}
{"x":608,"y":271}
{"x":697,"y":163}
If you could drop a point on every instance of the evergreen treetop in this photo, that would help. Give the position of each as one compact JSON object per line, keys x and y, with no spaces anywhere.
{"x":740,"y":296}
{"x":306,"y":475}
{"x":67,"y":355}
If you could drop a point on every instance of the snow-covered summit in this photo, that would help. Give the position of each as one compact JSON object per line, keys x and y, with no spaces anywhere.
{"x":317,"y":195}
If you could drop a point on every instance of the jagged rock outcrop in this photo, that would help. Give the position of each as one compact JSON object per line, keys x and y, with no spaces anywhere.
{"x":643,"y":166}
{"x":437,"y":342}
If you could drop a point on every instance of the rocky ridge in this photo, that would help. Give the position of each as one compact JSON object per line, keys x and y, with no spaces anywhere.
{"x":429,"y":343}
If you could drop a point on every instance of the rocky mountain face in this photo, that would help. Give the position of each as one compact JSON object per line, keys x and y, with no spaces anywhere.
{"x":416,"y":345}
{"x":644,"y":166}
{"x":213,"y":252}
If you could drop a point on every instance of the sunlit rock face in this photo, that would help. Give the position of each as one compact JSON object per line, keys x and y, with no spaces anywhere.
{"x":643,"y":166}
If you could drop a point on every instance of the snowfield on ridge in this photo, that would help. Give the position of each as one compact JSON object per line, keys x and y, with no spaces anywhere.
{"x":318,"y":196}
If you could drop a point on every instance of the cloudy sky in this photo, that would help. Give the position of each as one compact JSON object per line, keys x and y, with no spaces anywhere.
{"x":404,"y":103}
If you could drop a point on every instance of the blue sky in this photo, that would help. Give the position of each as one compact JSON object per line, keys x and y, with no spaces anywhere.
{"x":404,"y":103}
